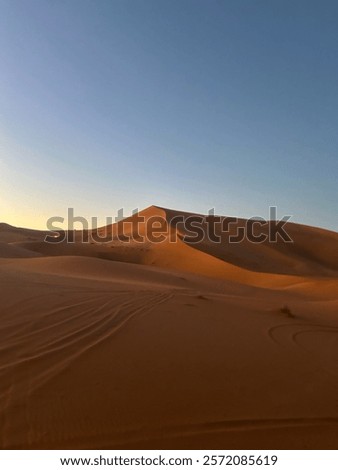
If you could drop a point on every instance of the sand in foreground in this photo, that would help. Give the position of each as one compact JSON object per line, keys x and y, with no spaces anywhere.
{"x":97,"y":353}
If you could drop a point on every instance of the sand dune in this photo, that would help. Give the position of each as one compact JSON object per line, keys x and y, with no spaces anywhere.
{"x":10,"y":234}
{"x":171,"y":345}
{"x":9,"y":250}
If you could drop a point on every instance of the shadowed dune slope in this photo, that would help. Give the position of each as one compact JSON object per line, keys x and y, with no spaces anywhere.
{"x":10,"y":234}
{"x":9,"y":250}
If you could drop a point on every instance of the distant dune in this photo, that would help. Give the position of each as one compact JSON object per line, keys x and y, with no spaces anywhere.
{"x":135,"y":344}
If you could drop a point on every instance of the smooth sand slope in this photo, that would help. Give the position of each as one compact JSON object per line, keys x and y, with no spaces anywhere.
{"x":171,"y":345}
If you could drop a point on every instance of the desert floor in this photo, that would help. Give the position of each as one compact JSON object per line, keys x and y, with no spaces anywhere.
{"x":134,"y":346}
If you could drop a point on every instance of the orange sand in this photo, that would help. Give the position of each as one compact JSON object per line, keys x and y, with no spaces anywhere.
{"x":157,"y":346}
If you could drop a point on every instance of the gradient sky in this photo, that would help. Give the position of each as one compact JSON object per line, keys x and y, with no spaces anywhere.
{"x":188,"y":104}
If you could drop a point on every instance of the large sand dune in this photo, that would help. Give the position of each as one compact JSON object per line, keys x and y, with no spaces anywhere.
{"x":168,"y":345}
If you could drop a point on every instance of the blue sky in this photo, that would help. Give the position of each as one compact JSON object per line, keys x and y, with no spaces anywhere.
{"x":188,"y":104}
